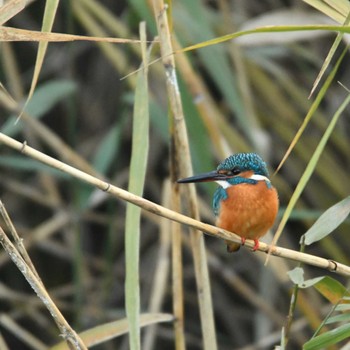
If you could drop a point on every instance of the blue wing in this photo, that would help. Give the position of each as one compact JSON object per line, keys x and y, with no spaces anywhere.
{"x":219,"y":195}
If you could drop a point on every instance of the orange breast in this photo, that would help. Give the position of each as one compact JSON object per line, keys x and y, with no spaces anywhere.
{"x":250,"y":210}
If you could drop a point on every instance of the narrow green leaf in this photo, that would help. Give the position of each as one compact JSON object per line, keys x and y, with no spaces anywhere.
{"x":48,"y":19}
{"x":328,"y":221}
{"x":314,"y":106}
{"x":214,"y":58}
{"x":329,"y":338}
{"x":343,"y":307}
{"x":329,"y":57}
{"x":311,"y":282}
{"x":331,"y":289}
{"x":267,"y":29}
{"x":10,"y":9}
{"x":45,"y":97}
{"x":108,"y":148}
{"x":140,"y":141}
{"x":296,"y":275}
{"x":335,"y":9}
{"x":143,"y":10}
{"x":21,"y":163}
{"x":310,"y":168}
{"x":339,"y":318}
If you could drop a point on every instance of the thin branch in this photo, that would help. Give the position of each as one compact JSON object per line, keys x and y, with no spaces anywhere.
{"x":181,"y":164}
{"x":71,"y":337}
{"x":16,"y":34}
{"x":170,"y":214}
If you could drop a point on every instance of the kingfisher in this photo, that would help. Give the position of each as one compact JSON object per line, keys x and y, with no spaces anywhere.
{"x":245,"y":202}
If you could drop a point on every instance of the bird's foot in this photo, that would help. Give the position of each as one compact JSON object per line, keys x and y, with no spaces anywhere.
{"x":256,"y":245}
{"x":232,"y":247}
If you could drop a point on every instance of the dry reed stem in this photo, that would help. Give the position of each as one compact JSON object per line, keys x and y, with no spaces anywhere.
{"x":159,"y":210}
{"x":16,"y":34}
{"x":182,"y":165}
{"x":21,"y":333}
{"x":161,"y":274}
{"x":71,"y":337}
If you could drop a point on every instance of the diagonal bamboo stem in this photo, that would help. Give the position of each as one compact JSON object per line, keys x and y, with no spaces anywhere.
{"x":159,"y":210}
{"x":67,"y":332}
{"x":181,"y":164}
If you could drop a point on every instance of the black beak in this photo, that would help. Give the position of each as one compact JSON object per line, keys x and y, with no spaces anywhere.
{"x":206,"y":177}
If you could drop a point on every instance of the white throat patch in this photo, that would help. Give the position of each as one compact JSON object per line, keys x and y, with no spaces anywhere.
{"x":223,"y":184}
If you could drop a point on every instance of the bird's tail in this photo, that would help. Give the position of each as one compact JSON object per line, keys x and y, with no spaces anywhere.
{"x":232,"y":247}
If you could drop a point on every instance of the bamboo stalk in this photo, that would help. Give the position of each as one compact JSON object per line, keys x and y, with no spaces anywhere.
{"x":159,"y":210}
{"x":182,"y":162}
{"x":71,"y":337}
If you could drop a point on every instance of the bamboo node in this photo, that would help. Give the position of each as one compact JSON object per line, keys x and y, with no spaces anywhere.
{"x":332,"y":265}
{"x":24,"y":145}
{"x":107,"y":187}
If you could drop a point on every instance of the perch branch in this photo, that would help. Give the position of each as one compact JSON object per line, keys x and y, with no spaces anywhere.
{"x":170,"y":214}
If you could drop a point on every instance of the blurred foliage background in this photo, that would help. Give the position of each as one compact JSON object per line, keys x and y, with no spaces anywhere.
{"x":248,"y":94}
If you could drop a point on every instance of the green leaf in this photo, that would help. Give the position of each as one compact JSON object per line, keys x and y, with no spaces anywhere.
{"x":9,"y":10}
{"x":311,"y":282}
{"x":343,"y":307}
{"x":296,"y":275}
{"x":310,"y":168}
{"x":335,"y":9}
{"x":266,"y":29}
{"x":45,"y":97}
{"x":21,"y":163}
{"x":215,"y":59}
{"x":48,"y":19}
{"x":339,"y":318}
{"x":139,"y":154}
{"x":330,"y":288}
{"x":328,"y":221}
{"x":108,"y":148}
{"x":329,"y":338}
{"x":330,"y":55}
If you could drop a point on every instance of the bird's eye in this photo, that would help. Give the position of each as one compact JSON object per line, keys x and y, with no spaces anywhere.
{"x":234,"y":171}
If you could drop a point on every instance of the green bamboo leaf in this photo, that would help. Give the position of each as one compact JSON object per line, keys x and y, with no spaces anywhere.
{"x":339,"y":318}
{"x":330,"y":288}
{"x":48,"y":19}
{"x":296,"y":275}
{"x":328,"y":221}
{"x":214,"y":58}
{"x":108,"y":148}
{"x":329,"y":338}
{"x":313,"y":107}
{"x":343,"y":307}
{"x":45,"y":97}
{"x":266,"y":29}
{"x":20,"y":163}
{"x":310,"y":169}
{"x":330,"y":55}
{"x":335,"y":9}
{"x":139,"y":154}
{"x":10,"y":9}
